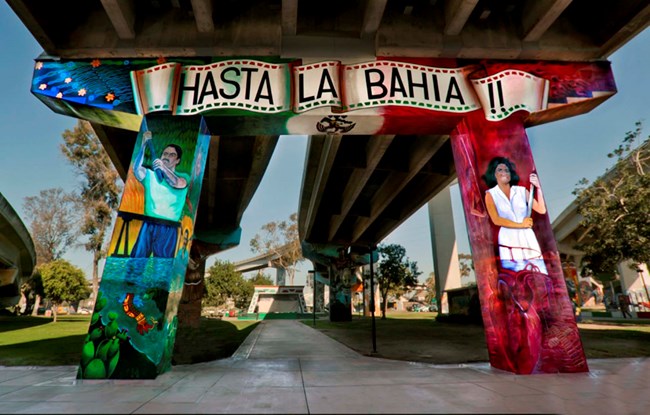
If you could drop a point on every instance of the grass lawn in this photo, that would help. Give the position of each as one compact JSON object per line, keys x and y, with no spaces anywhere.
{"x":37,"y":341}
{"x":418,"y":337}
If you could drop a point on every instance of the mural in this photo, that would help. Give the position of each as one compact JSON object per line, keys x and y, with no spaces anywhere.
{"x":529,"y":322}
{"x":133,"y":327}
{"x":485,"y":105}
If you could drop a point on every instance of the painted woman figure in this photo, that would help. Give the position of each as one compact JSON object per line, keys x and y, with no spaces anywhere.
{"x":508,"y":207}
{"x":523,"y":282}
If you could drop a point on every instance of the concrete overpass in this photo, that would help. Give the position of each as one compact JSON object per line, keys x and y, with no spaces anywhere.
{"x":17,"y":255}
{"x":370,"y":164}
{"x":357,"y":188}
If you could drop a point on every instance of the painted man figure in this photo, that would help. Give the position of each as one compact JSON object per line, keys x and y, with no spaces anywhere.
{"x":164,"y":197}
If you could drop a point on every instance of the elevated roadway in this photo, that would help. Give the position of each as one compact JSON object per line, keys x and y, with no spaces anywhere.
{"x":17,"y":254}
{"x":357,"y":188}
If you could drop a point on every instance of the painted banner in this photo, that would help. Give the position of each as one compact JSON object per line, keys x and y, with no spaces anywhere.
{"x":284,"y":96}
{"x":274,"y":88}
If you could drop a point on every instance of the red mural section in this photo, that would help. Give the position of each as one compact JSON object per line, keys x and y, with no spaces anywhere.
{"x":529,"y":322}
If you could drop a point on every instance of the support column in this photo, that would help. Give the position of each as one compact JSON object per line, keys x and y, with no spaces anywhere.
{"x":443,"y":245}
{"x":529,"y":322}
{"x":133,"y":327}
{"x":340,"y":295}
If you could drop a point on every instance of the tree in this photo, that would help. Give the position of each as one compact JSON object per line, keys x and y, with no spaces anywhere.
{"x":33,"y":291}
{"x":100,"y":188}
{"x":615,"y":208}
{"x":430,"y":283}
{"x":394,"y":271}
{"x":224,"y":283}
{"x":63,"y":282}
{"x":261,"y":279}
{"x":280,"y":239}
{"x":52,"y":224}
{"x":466,"y":265}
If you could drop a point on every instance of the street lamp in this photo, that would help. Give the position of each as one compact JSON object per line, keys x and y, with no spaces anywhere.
{"x":639,"y":271}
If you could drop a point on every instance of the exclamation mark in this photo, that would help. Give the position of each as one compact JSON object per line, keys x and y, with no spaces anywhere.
{"x":493,"y":110}
{"x":500,"y":91}
{"x":491,"y":96}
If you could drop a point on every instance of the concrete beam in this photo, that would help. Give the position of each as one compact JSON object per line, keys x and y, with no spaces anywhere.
{"x":289,"y":17}
{"x":456,"y":14}
{"x":121,"y":13}
{"x":324,"y":167}
{"x":633,"y":27}
{"x":424,"y":148}
{"x":539,"y":15}
{"x":203,"y":15}
{"x":373,"y":13}
{"x":375,"y":150}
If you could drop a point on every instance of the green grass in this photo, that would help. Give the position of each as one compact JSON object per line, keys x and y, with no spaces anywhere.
{"x":37,"y":341}
{"x":418,"y":337}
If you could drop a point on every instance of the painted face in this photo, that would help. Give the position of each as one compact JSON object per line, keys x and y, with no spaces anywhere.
{"x":170,"y":158}
{"x":502,"y":174}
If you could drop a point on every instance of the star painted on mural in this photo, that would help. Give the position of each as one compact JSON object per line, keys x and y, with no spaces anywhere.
{"x":67,"y":80}
{"x":42,"y":87}
{"x":59,"y":95}
{"x":81,"y":92}
{"x":95,"y":63}
{"x":110,"y":97}
{"x":38,"y":65}
{"x":161,"y":60}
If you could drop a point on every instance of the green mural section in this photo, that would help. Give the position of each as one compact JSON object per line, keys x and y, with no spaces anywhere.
{"x":133,"y":327}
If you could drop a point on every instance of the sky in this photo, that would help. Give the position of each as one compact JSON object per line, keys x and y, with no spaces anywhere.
{"x":564,"y":151}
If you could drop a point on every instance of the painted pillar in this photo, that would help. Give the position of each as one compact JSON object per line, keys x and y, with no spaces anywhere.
{"x":445,"y":253}
{"x":341,"y":295}
{"x":319,"y":292}
{"x":529,"y":322}
{"x":133,"y":327}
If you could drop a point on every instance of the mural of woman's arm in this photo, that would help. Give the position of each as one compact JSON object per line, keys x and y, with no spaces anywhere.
{"x":539,"y":205}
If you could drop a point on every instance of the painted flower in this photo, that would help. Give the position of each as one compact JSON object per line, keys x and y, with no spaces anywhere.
{"x":68,"y":80}
{"x":42,"y":87}
{"x":81,"y":92}
{"x":39,"y":65}
{"x":95,"y":63}
{"x":59,"y":95}
{"x":110,"y":97}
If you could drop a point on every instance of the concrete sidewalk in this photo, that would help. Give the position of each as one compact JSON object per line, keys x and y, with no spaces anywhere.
{"x":285,"y":366}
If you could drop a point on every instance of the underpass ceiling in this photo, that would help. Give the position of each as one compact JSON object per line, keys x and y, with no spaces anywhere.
{"x":356,"y":189}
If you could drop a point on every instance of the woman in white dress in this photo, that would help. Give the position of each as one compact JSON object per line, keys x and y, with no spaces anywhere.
{"x":507,"y":204}
{"x":519,"y":288}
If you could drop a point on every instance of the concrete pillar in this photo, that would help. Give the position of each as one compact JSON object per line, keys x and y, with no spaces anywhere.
{"x":528,"y":317}
{"x":133,"y":327}
{"x":443,"y":246}
{"x":340,"y":294}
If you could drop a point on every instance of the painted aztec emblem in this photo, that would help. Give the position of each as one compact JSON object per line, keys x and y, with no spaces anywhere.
{"x":335,"y":124}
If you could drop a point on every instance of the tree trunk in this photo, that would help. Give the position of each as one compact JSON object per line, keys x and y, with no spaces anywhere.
{"x":384,"y":304}
{"x":96,"y":258}
{"x":54,"y":309}
{"x":189,"y":312}
{"x":189,"y":308}
{"x":37,"y":304}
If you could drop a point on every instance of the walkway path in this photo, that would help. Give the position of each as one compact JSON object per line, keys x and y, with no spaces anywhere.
{"x":285,"y":366}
